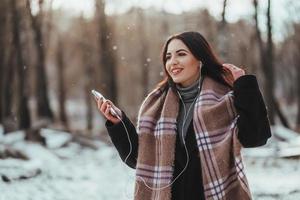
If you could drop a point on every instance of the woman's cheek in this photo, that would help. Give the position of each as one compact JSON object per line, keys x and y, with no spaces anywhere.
{"x":168,"y":69}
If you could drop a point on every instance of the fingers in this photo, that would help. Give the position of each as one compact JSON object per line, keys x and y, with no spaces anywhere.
{"x":228,"y":65}
{"x":107,"y":111}
{"x":104,"y":107}
{"x":115,"y":108}
{"x":231,"y":67}
{"x":101,"y":104}
{"x":235,"y":71}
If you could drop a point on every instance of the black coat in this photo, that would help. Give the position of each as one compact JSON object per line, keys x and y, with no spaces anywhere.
{"x":253,"y":126}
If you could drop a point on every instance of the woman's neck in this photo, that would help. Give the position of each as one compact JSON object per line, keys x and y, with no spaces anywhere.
{"x":189,"y":93}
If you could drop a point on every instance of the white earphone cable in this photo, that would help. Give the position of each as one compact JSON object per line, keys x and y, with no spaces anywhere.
{"x":182,"y":135}
{"x":183,"y":139}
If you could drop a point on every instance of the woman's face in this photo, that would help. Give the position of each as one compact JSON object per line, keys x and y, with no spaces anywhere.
{"x":181,"y":64}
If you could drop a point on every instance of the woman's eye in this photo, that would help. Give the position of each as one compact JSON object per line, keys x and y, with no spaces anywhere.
{"x":181,"y":54}
{"x":168,"y":57}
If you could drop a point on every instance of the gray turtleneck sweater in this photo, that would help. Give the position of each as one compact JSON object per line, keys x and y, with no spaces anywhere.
{"x":187,"y":102}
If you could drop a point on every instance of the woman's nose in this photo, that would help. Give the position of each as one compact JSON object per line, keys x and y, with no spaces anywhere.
{"x":173,"y":61}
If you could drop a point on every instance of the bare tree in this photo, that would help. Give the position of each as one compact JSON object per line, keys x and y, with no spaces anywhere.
{"x":268,"y":67}
{"x":224,"y":12}
{"x":107,"y":60}
{"x":23,"y":111}
{"x":3,"y":32}
{"x":266,"y":64}
{"x":298,"y":92}
{"x":267,"y":57}
{"x":87,"y":59}
{"x":89,"y":76}
{"x":297,"y":59}
{"x":8,"y":78}
{"x":61,"y":83}
{"x":88,"y":86}
{"x":223,"y":33}
{"x":8,"y":67}
{"x":43,"y":105}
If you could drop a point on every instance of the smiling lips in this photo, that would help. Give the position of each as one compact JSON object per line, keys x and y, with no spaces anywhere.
{"x":176,"y":71}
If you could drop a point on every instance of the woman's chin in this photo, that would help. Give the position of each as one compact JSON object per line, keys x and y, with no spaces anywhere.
{"x":176,"y":81}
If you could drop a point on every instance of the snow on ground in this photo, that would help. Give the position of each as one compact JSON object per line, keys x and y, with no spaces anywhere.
{"x":85,"y":174}
{"x":68,"y":173}
{"x":76,"y":173}
{"x":273,"y":178}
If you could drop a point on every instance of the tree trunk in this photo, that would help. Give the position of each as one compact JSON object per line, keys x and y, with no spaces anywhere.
{"x":9,"y":124}
{"x":61,"y":84}
{"x":106,"y":55}
{"x":3,"y":33}
{"x":224,"y":12}
{"x":268,"y":68}
{"x":43,"y":105}
{"x":298,"y":95}
{"x":267,"y":57}
{"x":88,"y":100}
{"x":23,"y":111}
{"x":298,"y":78}
{"x":89,"y":82}
{"x":281,"y":116}
{"x":89,"y":73}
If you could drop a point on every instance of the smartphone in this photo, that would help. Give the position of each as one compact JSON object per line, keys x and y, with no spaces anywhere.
{"x":98,"y":95}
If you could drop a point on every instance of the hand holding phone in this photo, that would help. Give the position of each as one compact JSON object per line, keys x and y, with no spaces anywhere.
{"x":112,"y":111}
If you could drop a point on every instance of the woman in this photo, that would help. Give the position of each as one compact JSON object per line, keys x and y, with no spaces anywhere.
{"x":191,"y":128}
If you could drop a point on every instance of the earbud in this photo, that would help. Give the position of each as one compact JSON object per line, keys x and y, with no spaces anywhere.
{"x":200,"y":64}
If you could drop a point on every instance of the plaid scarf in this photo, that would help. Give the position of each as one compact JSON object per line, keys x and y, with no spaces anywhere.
{"x":214,"y":122}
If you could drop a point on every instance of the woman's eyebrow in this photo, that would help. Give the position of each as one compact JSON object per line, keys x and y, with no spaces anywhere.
{"x":178,"y":51}
{"x":181,"y":50}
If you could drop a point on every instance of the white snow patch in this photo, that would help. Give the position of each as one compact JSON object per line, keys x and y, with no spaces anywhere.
{"x":11,"y":138}
{"x":54,"y":138}
{"x":85,"y":174}
{"x":277,"y":178}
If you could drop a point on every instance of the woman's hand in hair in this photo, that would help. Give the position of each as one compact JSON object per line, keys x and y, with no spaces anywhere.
{"x":232,"y":73}
{"x":104,"y":106}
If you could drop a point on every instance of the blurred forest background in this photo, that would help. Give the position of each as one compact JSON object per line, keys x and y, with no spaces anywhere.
{"x":53,"y":142}
{"x":50,"y":60}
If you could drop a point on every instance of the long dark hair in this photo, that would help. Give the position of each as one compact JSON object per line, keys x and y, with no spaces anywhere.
{"x":200,"y":48}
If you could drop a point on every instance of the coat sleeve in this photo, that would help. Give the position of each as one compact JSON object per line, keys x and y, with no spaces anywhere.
{"x":119,"y":138}
{"x":253,"y":123}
